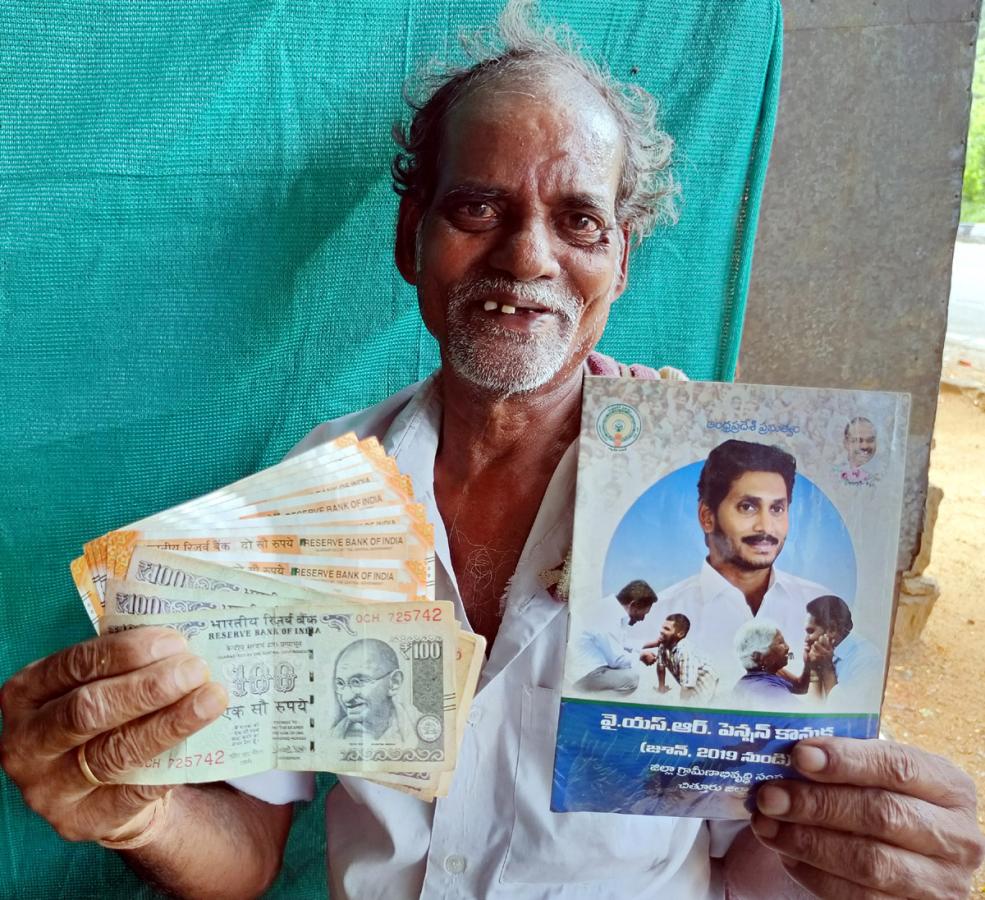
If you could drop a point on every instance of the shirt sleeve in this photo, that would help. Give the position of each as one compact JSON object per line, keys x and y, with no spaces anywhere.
{"x":276,"y":786}
{"x":612,"y":650}
{"x":689,"y":668}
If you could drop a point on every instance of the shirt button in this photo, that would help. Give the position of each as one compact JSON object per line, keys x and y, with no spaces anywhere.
{"x":455,"y":864}
{"x":475,"y":716}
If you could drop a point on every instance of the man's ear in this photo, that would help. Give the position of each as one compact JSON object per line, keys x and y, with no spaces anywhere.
{"x":396,"y":679}
{"x":706,"y":517}
{"x":405,"y":247}
{"x":622,"y":274}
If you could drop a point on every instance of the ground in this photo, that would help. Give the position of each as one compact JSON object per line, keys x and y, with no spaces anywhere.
{"x":935,"y":695}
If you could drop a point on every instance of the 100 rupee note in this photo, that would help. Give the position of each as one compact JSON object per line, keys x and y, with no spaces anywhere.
{"x":327,"y":688}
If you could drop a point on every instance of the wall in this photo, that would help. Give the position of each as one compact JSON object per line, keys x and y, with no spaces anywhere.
{"x":853,"y":260}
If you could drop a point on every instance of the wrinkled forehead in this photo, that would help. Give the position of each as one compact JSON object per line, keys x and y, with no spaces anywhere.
{"x":545,"y":125}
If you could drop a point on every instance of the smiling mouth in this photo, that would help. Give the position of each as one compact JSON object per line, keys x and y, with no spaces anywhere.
{"x":515,"y":309}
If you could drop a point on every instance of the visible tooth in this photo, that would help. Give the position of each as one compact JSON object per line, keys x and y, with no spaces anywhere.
{"x":509,"y":310}
{"x":489,"y":305}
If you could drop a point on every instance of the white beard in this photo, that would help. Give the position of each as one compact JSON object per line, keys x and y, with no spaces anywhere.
{"x":500,"y":359}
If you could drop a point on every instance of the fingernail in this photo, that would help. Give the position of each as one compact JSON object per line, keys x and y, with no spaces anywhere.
{"x":773,"y":800}
{"x":167,"y":645}
{"x":210,"y":701}
{"x":765,"y":827}
{"x":809,"y":758}
{"x":191,"y":673}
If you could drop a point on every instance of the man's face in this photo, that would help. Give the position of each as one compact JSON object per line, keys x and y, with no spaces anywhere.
{"x":860,"y":443}
{"x":364,"y":686}
{"x":777,"y":655}
{"x":812,"y":631}
{"x":519,"y":254}
{"x":637,"y":611}
{"x":750,"y":526}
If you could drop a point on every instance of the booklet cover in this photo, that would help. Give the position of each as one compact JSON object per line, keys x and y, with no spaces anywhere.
{"x":731,"y":588}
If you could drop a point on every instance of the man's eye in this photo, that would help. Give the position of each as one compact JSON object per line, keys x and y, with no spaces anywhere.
{"x":582,"y":224}
{"x":477,"y":210}
{"x":746,"y":506}
{"x":778,"y":508}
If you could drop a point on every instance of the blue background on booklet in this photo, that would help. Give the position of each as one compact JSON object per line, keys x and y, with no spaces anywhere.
{"x":659,"y":539}
{"x":605,"y":771}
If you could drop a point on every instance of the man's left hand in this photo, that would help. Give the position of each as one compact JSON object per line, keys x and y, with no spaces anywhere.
{"x":875,"y":819}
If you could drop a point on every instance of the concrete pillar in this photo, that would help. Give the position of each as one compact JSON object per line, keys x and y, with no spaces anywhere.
{"x":853,"y":260}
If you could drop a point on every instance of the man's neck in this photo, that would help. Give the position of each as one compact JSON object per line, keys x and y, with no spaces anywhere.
{"x":480,"y":429}
{"x":495,"y":459}
{"x":754,"y":583}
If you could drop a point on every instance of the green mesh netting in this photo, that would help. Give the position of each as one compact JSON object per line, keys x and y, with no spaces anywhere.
{"x":195,"y":268}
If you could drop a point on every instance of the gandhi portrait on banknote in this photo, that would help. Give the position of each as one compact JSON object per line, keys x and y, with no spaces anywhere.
{"x":368,"y":682}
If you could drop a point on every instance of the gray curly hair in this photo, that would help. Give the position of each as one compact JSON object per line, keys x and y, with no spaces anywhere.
{"x":647,"y":190}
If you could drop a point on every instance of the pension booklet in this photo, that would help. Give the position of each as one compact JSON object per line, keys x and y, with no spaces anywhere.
{"x":731,"y":588}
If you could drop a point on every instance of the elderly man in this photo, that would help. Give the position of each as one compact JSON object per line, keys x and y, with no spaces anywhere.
{"x":523,"y":184}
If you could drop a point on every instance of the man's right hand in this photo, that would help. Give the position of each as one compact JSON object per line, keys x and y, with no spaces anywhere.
{"x":126,"y":698}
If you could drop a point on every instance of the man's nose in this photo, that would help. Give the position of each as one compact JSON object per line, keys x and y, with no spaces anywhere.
{"x":526,"y":252}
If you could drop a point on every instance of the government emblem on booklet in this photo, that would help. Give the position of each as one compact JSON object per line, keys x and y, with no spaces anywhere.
{"x":731,"y":588}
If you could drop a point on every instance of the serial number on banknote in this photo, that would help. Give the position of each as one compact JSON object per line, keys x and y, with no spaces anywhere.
{"x":194,"y":760}
{"x":414,"y":615}
{"x":191,"y":761}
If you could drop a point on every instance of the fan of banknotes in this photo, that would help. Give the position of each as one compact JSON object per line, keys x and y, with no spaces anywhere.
{"x":308,"y":588}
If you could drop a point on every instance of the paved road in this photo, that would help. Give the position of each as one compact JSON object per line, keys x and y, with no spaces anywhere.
{"x":966,"y":311}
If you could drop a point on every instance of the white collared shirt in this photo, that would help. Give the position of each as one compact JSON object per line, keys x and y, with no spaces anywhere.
{"x":717,"y":609}
{"x":494,"y":836}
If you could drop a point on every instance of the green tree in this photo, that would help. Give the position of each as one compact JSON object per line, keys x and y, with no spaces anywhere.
{"x":973,"y":193}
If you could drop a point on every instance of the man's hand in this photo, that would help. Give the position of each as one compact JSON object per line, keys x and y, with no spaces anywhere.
{"x":126,"y":697}
{"x":820,"y":653}
{"x":648,"y":659}
{"x":876,"y":819}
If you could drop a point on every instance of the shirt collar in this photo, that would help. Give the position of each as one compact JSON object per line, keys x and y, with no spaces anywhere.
{"x":412,"y":440}
{"x":713,"y":583}
{"x":844,"y":648}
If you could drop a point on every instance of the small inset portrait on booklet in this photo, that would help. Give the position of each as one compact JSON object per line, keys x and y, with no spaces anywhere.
{"x":861,"y":445}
